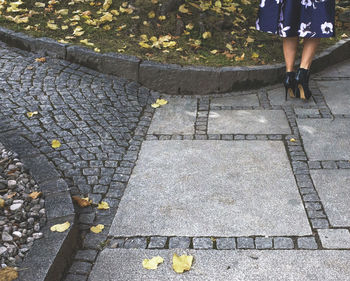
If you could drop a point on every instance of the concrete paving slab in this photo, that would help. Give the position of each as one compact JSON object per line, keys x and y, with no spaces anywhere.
{"x":333,"y":187}
{"x":214,"y":265}
{"x":248,"y":122}
{"x":334,"y":238}
{"x":337,"y":95}
{"x":176,"y":117}
{"x":277,"y":97}
{"x":326,"y":139}
{"x":198,"y":188}
{"x":243,"y":100}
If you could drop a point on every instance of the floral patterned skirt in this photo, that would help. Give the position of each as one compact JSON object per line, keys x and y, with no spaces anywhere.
{"x":303,"y":18}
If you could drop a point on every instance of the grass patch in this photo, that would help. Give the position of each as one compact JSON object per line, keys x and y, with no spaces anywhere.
{"x":120,"y":26}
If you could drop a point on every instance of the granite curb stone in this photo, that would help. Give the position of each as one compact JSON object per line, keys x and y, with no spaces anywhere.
{"x":186,"y":80}
{"x":51,"y":263}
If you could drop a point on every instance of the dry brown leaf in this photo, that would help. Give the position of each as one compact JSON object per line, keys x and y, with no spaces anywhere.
{"x":11,"y":195}
{"x":8,"y":274}
{"x":35,"y":194}
{"x":82,"y":202}
{"x":42,"y":59}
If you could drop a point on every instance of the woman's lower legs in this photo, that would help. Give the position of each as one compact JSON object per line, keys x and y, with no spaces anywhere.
{"x":290,"y":46}
{"x":309,"y":49}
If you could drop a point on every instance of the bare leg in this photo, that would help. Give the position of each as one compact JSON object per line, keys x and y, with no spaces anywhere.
{"x":290,"y":46}
{"x":309,"y":49}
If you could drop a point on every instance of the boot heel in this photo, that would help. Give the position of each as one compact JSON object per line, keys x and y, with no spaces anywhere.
{"x":289,"y":84}
{"x":302,"y":81}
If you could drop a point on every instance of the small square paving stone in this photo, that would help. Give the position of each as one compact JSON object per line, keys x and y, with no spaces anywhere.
{"x":326,"y":139}
{"x":337,"y":95}
{"x":245,"y":243}
{"x":334,"y":238}
{"x":157,"y":242}
{"x":243,"y":100}
{"x":277,"y":97}
{"x":283,"y":243}
{"x":202,"y":243}
{"x":263,"y":242}
{"x":333,"y":187}
{"x":179,"y":242}
{"x":307,"y":243}
{"x":248,"y":122}
{"x":176,"y":117}
{"x":136,"y":243}
{"x":225,"y":243}
{"x":175,"y":193}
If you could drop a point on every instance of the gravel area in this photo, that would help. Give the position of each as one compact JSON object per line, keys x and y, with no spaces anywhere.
{"x":22,"y":212}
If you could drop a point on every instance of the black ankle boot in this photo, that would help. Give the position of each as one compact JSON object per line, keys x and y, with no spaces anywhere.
{"x":302,"y":83}
{"x":289,"y":84}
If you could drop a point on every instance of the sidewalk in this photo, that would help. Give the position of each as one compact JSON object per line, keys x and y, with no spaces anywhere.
{"x":222,"y":173}
{"x":253,"y":187}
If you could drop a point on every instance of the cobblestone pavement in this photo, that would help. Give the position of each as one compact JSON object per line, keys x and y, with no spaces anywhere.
{"x":246,"y":172}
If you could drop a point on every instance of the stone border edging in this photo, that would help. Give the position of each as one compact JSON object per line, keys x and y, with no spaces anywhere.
{"x":171,"y":78}
{"x":50,"y":256}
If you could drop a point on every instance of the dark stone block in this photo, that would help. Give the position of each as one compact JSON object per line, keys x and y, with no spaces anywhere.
{"x":121,"y":65}
{"x":232,"y":78}
{"x":266,"y":74}
{"x":48,"y":46}
{"x":85,"y":57}
{"x":41,"y":169}
{"x":51,"y":255}
{"x":199,"y":80}
{"x":21,"y":146}
{"x":58,"y":205}
{"x":160,"y":77}
{"x":17,"y":39}
{"x":54,"y":186}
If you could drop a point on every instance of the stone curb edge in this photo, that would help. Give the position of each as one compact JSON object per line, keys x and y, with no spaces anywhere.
{"x":51,"y":255}
{"x":171,"y":78}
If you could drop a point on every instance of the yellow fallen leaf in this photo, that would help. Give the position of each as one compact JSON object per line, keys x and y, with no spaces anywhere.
{"x":182,"y":263}
{"x":52,"y":26}
{"x":60,"y":227}
{"x":97,"y":229}
{"x":62,"y":12}
{"x":162,"y":17}
{"x":151,"y":14}
{"x":97,"y":50}
{"x":240,"y":58}
{"x":189,"y":26}
{"x":55,"y":144}
{"x":2,"y":203}
{"x":183,"y":9}
{"x":161,"y":101}
{"x":107,"y":4}
{"x":155,"y":105}
{"x":30,"y":114}
{"x":42,"y":59}
{"x":152,"y":263}
{"x":344,"y":35}
{"x":145,"y":45}
{"x":213,"y":51}
{"x":103,"y":206}
{"x":86,"y":42}
{"x":250,"y":40}
{"x":8,"y":274}
{"x":206,"y":34}
{"x":229,"y":46}
{"x":35,"y":194}
{"x":292,"y":140}
{"x":39,"y":5}
{"x":82,"y":202}
{"x":255,"y":55}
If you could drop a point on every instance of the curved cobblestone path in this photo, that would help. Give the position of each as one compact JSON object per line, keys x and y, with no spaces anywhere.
{"x":93,"y":115}
{"x":244,"y":171}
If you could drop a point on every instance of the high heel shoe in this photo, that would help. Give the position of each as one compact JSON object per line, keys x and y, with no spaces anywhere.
{"x":302,"y":83}
{"x":289,"y":84}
